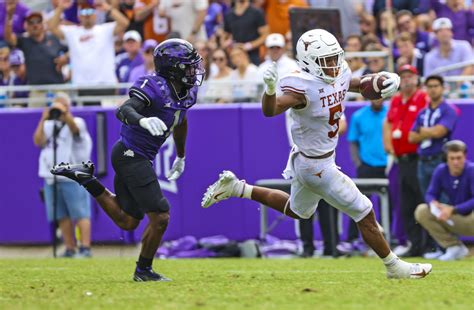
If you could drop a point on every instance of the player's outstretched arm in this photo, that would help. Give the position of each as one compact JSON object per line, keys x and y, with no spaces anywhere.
{"x":129,"y":114}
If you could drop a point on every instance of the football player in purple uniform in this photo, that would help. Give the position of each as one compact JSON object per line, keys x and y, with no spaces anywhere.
{"x":156,"y":108}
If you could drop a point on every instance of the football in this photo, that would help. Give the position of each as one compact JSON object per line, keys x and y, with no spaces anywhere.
{"x":371,"y":85}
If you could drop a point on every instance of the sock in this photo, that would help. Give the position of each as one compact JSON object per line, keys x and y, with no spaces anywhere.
{"x":94,"y":187}
{"x":144,"y":263}
{"x":242,"y":190}
{"x":390,"y":260}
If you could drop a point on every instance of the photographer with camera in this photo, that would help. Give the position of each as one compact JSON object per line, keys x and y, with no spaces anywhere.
{"x":64,"y":138}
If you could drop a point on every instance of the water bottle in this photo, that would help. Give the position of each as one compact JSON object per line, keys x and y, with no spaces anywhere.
{"x":464,"y":90}
{"x":50,"y":98}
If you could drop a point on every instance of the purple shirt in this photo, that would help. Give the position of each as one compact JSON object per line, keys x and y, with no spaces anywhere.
{"x":443,"y":115}
{"x":160,"y":102}
{"x":21,"y":11}
{"x":461,"y":51}
{"x":211,"y":22}
{"x":463,"y":20}
{"x":137,"y":72}
{"x":124,"y":65}
{"x":460,"y":190}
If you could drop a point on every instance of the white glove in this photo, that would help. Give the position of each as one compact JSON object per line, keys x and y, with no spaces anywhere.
{"x":154,"y":125}
{"x":177,"y":169}
{"x":270,"y":77}
{"x":391,"y":84}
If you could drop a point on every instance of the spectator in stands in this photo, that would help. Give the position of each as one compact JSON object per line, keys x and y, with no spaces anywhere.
{"x":449,"y":52}
{"x":404,"y":108}
{"x":461,"y":17}
{"x":356,"y":64}
{"x":127,"y":8}
{"x":74,"y":144}
{"x":187,"y":17}
{"x":375,"y":64}
{"x":371,"y":40}
{"x":70,"y":15}
{"x":204,"y":50}
{"x":44,"y":55}
{"x":277,"y":14}
{"x":445,"y":222}
{"x":409,"y":54}
{"x":387,"y":30}
{"x":155,"y":26}
{"x":397,"y":5}
{"x":244,"y":76}
{"x":148,"y":66}
{"x":131,"y":58}
{"x":13,"y":14}
{"x":18,"y":68}
{"x":275,"y":44}
{"x":366,"y":147}
{"x":406,"y":23}
{"x":432,"y":129}
{"x":91,"y":46}
{"x":220,"y":92}
{"x":367,"y":24}
{"x":214,"y":16}
{"x":246,"y":25}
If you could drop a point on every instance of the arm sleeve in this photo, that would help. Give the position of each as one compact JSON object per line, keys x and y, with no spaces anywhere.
{"x":129,"y":112}
{"x":449,"y":120}
{"x":434,"y":190}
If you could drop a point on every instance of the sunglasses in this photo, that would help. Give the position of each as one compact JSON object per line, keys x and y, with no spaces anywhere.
{"x":87,"y":12}
{"x":4,"y":58}
{"x":218,"y":58}
{"x":34,"y":21}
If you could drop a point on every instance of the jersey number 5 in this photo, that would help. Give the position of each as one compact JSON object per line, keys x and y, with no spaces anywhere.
{"x":333,"y":120}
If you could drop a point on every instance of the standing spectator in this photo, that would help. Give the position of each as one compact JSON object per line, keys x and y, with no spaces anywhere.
{"x":432,"y":129}
{"x":461,"y":17}
{"x":187,"y":17}
{"x":148,"y":66}
{"x":275,"y":44}
{"x":219,"y":84}
{"x":13,"y":14}
{"x":131,"y":58}
{"x":246,"y":25}
{"x":127,"y":8}
{"x":445,"y":222}
{"x":367,"y":24}
{"x":44,"y":55}
{"x":73,"y":144}
{"x":18,"y":68}
{"x":448,"y":52}
{"x":214,"y":16}
{"x":398,"y":5}
{"x":155,"y":26}
{"x":277,"y":14}
{"x":401,"y":116}
{"x":244,"y":76}
{"x":91,"y":46}
{"x":406,"y":23}
{"x":408,"y":53}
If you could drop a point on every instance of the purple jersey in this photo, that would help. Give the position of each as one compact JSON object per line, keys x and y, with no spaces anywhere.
{"x":443,"y":115}
{"x":160,"y":102}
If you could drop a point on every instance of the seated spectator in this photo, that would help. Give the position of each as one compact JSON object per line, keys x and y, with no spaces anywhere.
{"x":18,"y":68}
{"x":397,"y":5}
{"x":203,"y":49}
{"x":367,"y":24}
{"x":370,"y":39}
{"x":461,"y":17}
{"x":357,"y":65}
{"x":12,"y":13}
{"x":375,"y":64}
{"x":131,"y":58}
{"x":220,"y":92}
{"x":446,"y":222}
{"x":409,"y":54}
{"x":148,"y":66}
{"x":244,"y":76}
{"x":406,"y":23}
{"x":275,"y":44}
{"x":448,"y":52}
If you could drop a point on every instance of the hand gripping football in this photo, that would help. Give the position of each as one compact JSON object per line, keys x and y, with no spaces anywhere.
{"x":371,"y":86}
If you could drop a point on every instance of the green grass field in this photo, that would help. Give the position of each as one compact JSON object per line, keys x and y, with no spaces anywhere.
{"x":355,"y":283}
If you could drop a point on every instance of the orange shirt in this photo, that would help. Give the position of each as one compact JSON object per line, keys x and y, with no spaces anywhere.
{"x":154,"y":27}
{"x":277,"y":15}
{"x":402,"y":116}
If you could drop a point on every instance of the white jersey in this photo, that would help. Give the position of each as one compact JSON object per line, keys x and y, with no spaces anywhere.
{"x":315,"y":127}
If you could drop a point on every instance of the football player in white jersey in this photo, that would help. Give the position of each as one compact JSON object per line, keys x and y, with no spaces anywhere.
{"x":315,"y":96}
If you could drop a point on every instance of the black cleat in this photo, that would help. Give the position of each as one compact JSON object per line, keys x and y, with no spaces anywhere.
{"x":81,"y":173}
{"x":142,"y":275}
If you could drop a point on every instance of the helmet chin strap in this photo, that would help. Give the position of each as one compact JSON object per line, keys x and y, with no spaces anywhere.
{"x":178,"y":93}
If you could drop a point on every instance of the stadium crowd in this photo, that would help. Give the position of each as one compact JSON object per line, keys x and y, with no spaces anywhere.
{"x":85,"y":42}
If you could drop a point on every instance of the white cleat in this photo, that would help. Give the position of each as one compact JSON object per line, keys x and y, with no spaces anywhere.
{"x":222,"y":189}
{"x":406,"y":270}
{"x":454,"y":253}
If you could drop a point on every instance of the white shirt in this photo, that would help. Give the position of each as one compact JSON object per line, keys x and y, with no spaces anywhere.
{"x":91,"y":52}
{"x":70,"y":149}
{"x":315,"y":127}
{"x":285,"y":65}
{"x":183,"y":14}
{"x":248,"y":87}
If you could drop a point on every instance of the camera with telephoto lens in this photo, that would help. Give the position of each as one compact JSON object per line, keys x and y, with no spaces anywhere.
{"x":55,"y":113}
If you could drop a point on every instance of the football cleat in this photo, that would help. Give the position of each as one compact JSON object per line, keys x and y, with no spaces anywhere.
{"x":81,"y":173}
{"x":222,"y":189}
{"x":409,"y":271}
{"x":147,"y":274}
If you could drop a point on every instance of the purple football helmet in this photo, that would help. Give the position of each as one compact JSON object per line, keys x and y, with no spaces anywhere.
{"x":178,"y":60}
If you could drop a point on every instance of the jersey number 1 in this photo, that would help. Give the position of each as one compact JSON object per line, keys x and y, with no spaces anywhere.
{"x":334,"y":121}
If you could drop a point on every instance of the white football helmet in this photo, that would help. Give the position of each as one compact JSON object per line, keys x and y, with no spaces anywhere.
{"x":317,"y":50}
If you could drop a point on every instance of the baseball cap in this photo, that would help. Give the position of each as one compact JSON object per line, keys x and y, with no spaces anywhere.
{"x":407,"y":67}
{"x":132,"y":35}
{"x":17,"y":58}
{"x":150,"y":43}
{"x":275,"y":39}
{"x":33,"y":14}
{"x":442,"y":23}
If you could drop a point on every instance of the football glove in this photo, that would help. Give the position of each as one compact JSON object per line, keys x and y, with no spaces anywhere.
{"x":391,"y":84}
{"x":176,"y":170}
{"x":270,"y":77}
{"x":154,"y":125}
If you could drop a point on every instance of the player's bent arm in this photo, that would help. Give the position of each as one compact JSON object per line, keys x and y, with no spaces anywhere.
{"x":179,"y":135}
{"x":273,"y":105}
{"x":129,"y":112}
{"x":354,"y":85}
